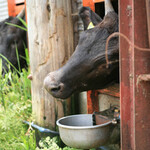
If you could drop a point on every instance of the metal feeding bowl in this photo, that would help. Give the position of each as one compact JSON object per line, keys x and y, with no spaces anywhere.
{"x":78,"y":131}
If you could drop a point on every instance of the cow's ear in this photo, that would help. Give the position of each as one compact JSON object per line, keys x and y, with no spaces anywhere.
{"x":95,"y":19}
{"x":84,"y":14}
{"x":110,"y":22}
{"x":88,"y":17}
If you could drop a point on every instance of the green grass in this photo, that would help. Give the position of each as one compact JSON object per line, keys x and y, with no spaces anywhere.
{"x":15,"y":106}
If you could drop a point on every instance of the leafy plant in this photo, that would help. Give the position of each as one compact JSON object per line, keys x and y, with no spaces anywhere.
{"x":49,"y":144}
{"x":53,"y":144}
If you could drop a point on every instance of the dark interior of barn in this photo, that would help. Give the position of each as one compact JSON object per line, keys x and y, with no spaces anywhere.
{"x":100,"y":9}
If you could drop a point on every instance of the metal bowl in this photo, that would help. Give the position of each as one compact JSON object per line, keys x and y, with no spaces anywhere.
{"x":77,"y":131}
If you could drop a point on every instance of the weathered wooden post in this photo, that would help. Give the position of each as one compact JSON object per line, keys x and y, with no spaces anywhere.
{"x":50,"y":36}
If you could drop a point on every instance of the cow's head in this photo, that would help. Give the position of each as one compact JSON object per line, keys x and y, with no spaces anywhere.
{"x":11,"y":39}
{"x":86,"y":69}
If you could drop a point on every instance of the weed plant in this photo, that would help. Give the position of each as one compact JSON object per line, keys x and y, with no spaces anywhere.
{"x":15,"y":106}
{"x":53,"y":144}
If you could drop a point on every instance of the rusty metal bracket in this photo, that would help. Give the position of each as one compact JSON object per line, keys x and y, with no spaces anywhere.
{"x":143,"y":77}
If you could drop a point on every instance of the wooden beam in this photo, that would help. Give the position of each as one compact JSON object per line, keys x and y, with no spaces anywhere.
{"x":19,"y":1}
{"x":18,"y":9}
{"x":112,"y":90}
{"x":141,"y":66}
{"x":89,"y":3}
{"x":98,"y":1}
{"x":148,"y":18}
{"x":50,"y":36}
{"x":11,"y":8}
{"x":135,"y":121}
{"x":92,"y":102}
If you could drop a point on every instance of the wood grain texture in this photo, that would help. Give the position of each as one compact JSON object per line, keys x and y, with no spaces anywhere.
{"x":50,"y":37}
{"x":148,"y":18}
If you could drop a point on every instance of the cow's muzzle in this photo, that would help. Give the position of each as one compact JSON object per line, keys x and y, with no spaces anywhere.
{"x":53,"y":86}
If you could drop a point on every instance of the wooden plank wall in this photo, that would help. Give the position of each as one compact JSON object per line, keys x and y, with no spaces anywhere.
{"x":3,"y":9}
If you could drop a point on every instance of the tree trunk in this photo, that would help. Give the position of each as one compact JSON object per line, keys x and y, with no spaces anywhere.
{"x":50,"y":37}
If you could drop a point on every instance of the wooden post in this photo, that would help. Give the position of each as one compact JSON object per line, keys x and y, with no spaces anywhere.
{"x":148,"y":18}
{"x":134,"y":94}
{"x":50,"y":36}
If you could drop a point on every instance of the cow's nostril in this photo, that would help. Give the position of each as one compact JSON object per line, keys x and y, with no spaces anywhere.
{"x":52,"y":86}
{"x":55,"y":89}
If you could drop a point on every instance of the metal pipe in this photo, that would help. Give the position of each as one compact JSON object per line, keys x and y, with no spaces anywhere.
{"x":41,"y":129}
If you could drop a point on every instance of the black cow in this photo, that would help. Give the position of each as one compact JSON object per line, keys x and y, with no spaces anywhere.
{"x":86,"y":69}
{"x":12,"y":38}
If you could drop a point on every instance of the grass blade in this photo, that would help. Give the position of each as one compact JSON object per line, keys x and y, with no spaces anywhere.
{"x":17,"y":26}
{"x":10,"y":63}
{"x":23,"y":22}
{"x":0,"y":67}
{"x":18,"y":58}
